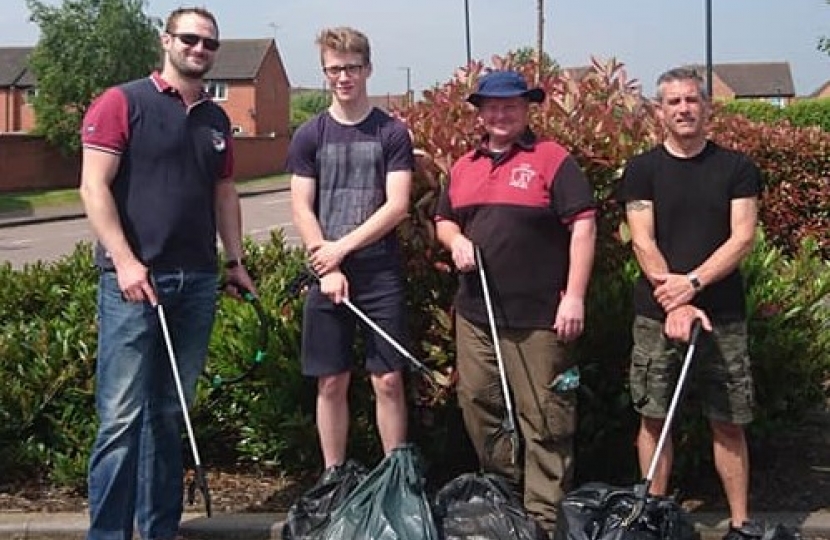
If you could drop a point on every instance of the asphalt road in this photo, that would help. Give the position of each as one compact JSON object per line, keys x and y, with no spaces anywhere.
{"x":51,"y":240}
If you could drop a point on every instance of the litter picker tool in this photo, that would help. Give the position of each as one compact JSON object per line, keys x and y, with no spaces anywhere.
{"x":641,"y":489}
{"x":664,"y":433}
{"x":200,"y":480}
{"x":508,"y":426}
{"x":432,"y":377}
{"x":436,"y":379}
{"x":598,"y":511}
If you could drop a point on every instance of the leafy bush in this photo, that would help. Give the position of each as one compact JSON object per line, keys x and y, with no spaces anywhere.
{"x":48,"y":334}
{"x":757,"y":111}
{"x":809,"y":113}
{"x":603,"y":120}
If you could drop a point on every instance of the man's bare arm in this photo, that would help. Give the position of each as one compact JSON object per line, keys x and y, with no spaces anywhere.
{"x":727,"y":258}
{"x":302,"y":209}
{"x":640,"y":217}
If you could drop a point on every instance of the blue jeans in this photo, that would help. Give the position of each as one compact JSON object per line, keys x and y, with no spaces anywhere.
{"x":136,"y":469}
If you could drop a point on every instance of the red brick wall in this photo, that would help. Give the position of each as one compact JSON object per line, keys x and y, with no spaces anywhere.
{"x":239,"y":105}
{"x":15,"y":114}
{"x":27,"y":163}
{"x":259,"y":156}
{"x":273,"y":96}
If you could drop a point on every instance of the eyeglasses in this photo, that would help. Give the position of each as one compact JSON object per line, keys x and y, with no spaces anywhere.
{"x":350,"y":69}
{"x":191,"y":40}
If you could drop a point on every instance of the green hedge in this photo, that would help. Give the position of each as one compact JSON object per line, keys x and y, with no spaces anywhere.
{"x":47,"y":355}
{"x":801,"y":113}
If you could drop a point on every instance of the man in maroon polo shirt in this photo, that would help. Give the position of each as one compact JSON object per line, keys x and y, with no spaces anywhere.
{"x":527,"y":206}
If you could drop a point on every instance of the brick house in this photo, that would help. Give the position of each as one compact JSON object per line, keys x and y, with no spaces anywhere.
{"x":760,"y":81}
{"x":822,"y":91}
{"x":17,"y":85}
{"x":248,"y":80}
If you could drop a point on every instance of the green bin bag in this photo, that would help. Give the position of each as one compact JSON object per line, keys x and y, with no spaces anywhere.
{"x":389,"y":504}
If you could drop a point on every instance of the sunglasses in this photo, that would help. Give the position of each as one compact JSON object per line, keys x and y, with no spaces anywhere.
{"x":191,"y":40}
{"x":350,"y":69}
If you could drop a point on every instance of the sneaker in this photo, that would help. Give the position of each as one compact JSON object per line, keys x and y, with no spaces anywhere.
{"x":750,"y":530}
{"x":330,"y":475}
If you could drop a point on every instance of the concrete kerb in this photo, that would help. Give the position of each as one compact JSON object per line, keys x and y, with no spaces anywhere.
{"x":76,"y":211}
{"x":71,"y":526}
{"x":268,"y":526}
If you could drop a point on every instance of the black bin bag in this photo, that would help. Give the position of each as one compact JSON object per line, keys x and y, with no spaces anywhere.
{"x":482,"y":507}
{"x":597,"y":511}
{"x":390,"y":504}
{"x":308,"y":517}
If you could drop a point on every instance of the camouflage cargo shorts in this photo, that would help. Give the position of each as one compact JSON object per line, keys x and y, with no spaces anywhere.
{"x":720,"y":377}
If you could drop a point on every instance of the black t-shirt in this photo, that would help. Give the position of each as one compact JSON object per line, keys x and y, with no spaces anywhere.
{"x":692,"y":200}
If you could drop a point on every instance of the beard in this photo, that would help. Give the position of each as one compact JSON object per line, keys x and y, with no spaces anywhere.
{"x":185,"y":69}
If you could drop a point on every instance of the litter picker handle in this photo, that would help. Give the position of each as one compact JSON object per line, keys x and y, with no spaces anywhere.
{"x":398,"y":347}
{"x":678,"y":390}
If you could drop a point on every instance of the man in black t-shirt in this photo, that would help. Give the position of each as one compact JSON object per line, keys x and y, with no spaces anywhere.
{"x":351,"y":171}
{"x":691,"y":207}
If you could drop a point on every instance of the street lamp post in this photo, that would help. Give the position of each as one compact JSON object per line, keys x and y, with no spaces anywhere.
{"x":408,"y":84}
{"x":709,"y":48}
{"x":467,"y":31}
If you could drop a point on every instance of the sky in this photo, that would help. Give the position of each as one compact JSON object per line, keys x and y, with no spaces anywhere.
{"x":425,"y":40}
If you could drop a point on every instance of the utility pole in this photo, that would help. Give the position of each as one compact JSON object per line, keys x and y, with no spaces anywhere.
{"x":540,"y":36}
{"x":408,"y":70}
{"x":709,"y":48}
{"x":467,"y":31}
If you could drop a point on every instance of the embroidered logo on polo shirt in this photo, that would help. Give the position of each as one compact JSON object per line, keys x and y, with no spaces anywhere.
{"x":522,"y":176}
{"x":218,"y":139}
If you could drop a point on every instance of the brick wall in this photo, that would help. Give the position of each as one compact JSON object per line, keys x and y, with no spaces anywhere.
{"x":260,"y":156}
{"x":27,"y":163}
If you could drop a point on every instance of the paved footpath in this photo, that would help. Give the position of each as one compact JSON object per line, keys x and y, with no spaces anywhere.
{"x":267,"y":526}
{"x":75,"y":210}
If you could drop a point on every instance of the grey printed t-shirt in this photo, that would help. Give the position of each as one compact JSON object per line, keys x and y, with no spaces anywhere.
{"x":350,"y":164}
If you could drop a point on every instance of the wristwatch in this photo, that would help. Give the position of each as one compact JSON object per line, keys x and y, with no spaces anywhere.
{"x":233,"y":263}
{"x":695,"y":281}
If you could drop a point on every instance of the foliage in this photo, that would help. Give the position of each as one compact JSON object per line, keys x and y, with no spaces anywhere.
{"x":527,"y":55}
{"x":305,"y":105}
{"x":809,"y":112}
{"x":757,"y":111}
{"x":47,"y":352}
{"x":85,"y":47}
{"x":603,"y":120}
{"x":801,"y":113}
{"x":47,"y":312}
{"x":795,"y":202}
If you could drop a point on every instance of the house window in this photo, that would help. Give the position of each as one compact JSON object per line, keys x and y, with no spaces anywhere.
{"x":218,"y":90}
{"x":777,"y":101}
{"x":237,"y":130}
{"x":30,"y":94}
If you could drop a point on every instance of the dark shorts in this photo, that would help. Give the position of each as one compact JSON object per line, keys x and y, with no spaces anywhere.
{"x":330,"y":331}
{"x":720,"y":376}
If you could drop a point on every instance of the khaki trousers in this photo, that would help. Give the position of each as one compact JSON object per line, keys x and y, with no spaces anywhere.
{"x":546,"y":419}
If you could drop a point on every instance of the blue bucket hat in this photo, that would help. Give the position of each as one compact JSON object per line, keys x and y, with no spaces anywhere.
{"x":504,"y":84}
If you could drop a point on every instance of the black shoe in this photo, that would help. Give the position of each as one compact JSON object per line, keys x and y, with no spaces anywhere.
{"x":750,"y":530}
{"x":330,"y":475}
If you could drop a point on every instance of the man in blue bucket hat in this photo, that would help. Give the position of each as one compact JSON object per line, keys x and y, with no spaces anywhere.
{"x":526,"y":206}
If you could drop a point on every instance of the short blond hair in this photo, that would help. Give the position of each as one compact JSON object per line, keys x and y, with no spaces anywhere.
{"x":344,"y":39}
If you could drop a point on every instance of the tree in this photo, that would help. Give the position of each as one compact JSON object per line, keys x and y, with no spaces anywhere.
{"x":86,"y":46}
{"x":529,"y":55}
{"x":304,"y":105}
